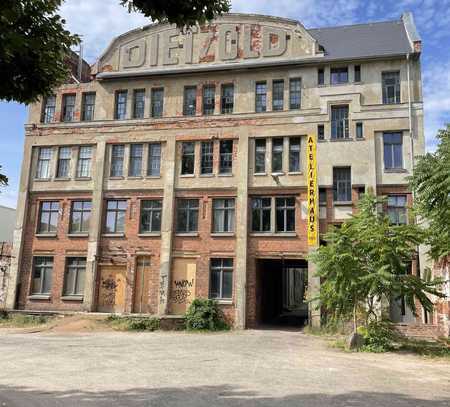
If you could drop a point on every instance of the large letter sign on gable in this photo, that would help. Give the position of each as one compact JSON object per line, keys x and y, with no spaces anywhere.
{"x":313,"y":222}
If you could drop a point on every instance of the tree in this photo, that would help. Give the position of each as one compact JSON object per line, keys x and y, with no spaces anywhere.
{"x":182,"y":13}
{"x":3,"y":178}
{"x":366,"y":261}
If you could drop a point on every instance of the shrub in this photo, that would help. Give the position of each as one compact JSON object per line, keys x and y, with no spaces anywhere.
{"x":133,"y":324}
{"x":205,"y":315}
{"x":378,"y":336}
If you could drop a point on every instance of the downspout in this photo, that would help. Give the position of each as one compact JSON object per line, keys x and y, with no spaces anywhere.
{"x":411,"y":146}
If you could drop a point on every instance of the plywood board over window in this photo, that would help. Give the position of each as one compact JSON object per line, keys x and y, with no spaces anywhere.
{"x":111,"y":296}
{"x":182,"y":285}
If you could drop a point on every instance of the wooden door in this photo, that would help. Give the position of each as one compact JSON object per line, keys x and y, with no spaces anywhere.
{"x":141,"y":285}
{"x":111,"y":296}
{"x":182,"y":285}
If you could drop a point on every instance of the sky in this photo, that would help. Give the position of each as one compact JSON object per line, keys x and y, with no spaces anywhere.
{"x":99,"y":21}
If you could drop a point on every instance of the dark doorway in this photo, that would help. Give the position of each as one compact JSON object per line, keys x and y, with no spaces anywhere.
{"x":281,"y":292}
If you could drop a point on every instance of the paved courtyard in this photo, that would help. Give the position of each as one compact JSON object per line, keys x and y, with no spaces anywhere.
{"x":250,"y":368}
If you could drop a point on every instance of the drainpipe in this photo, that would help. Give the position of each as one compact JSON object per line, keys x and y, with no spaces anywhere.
{"x":410,"y":113}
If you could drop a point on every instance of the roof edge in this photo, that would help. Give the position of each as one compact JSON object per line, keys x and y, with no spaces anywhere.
{"x":411,"y":31}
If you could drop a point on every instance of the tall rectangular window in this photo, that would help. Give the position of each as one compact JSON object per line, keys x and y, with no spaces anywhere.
{"x":278,"y":95}
{"x":226,"y":157}
{"x":359,"y":130}
{"x":391,"y":87}
{"x":339,"y":75}
{"x":342,"y":184}
{"x":357,"y":73}
{"x":84,"y":162}
{"x":261,"y":214}
{"x":151,"y":211}
{"x":206,"y":166}
{"x":227,"y":99}
{"x":321,"y":76}
{"x":260,"y":97}
{"x":68,"y":108}
{"x":321,"y":132}
{"x":223,"y":215}
{"x":295,"y":93}
{"x":138,"y":103}
{"x":260,"y":155}
{"x":157,"y":102}
{"x":117,"y":157}
{"x":285,"y":214}
{"x":80,"y":217}
{"x":393,"y":150}
{"x":44,"y":161}
{"x":48,"y":217}
{"x":42,"y":275}
{"x":187,"y":215}
{"x":64,"y":156}
{"x":294,"y":154}
{"x":277,"y":155}
{"x":136,"y":153}
{"x":74,"y":276}
{"x":154,"y":159}
{"x":120,"y":109}
{"x":190,"y":101}
{"x":187,"y":158}
{"x":221,"y":279}
{"x":339,"y":122}
{"x":88,"y":106}
{"x":209,"y":94}
{"x":48,"y":110}
{"x":396,"y":209}
{"x":115,"y":216}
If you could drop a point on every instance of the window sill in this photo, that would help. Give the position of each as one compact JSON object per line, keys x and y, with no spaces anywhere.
{"x":113,"y":234}
{"x":222,"y":234}
{"x":72,"y":298}
{"x":187,"y":175}
{"x":207,"y":175}
{"x":295,"y":173}
{"x":62,"y":179}
{"x":225,"y":175}
{"x":341,"y":139}
{"x":46,"y":235}
{"x":78,"y":235}
{"x":273,"y":234}
{"x":149,"y":234}
{"x":223,"y":301}
{"x":342,"y":203}
{"x":117,"y":178}
{"x":395,"y":170}
{"x":39,"y":297}
{"x":260,"y":174}
{"x":360,"y":138}
{"x":42,"y":179}
{"x":135,"y":177}
{"x":277,"y":174}
{"x":83,"y":178}
{"x":187,"y":234}
{"x":153,"y":176}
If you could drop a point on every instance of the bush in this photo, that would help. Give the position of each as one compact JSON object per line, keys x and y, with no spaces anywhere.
{"x":133,"y":324}
{"x":205,"y":315}
{"x":378,"y":336}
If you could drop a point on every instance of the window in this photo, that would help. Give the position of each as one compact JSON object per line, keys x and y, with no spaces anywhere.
{"x":227,"y":99}
{"x":43,"y":164}
{"x":294,"y":154}
{"x":206,"y":166}
{"x":187,"y":158}
{"x":261,"y":214}
{"x":151,"y":216}
{"x":278,"y":95}
{"x":136,"y":152}
{"x":295,"y":93}
{"x":359,"y":130}
{"x":48,"y":217}
{"x":260,"y":96}
{"x":321,"y":76}
{"x":342,"y":184}
{"x":80,"y":217}
{"x":285,"y":214}
{"x":187,"y":215}
{"x":260,"y":156}
{"x":357,"y":73}
{"x":321,"y":132}
{"x":322,"y":197}
{"x":84,"y":162}
{"x":339,"y":122}
{"x":393,"y":154}
{"x":226,"y":156}
{"x":42,"y":275}
{"x":396,"y":209}
{"x":138,"y":103}
{"x":63,"y":168}
{"x":115,"y":216}
{"x":117,"y":156}
{"x":339,"y":75}
{"x":223,"y":215}
{"x":391,"y":87}
{"x":190,"y":101}
{"x":120,"y":112}
{"x":209,"y":93}
{"x":74,"y":278}
{"x":88,"y":106}
{"x":68,"y":108}
{"x":221,"y":284}
{"x":48,"y":111}
{"x":277,"y":155}
{"x":157,"y":102}
{"x":154,"y":160}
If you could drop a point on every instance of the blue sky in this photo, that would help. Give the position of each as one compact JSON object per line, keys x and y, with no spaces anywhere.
{"x":98,"y":21}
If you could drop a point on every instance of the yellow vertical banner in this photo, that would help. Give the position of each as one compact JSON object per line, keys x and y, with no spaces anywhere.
{"x":313,"y":215}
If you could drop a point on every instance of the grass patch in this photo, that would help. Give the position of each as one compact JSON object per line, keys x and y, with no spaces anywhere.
{"x":437,"y":349}
{"x":118,"y":323}
{"x":22,"y":320}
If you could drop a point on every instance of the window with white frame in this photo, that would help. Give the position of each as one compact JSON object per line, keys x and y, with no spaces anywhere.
{"x":151,"y":211}
{"x":136,"y":153}
{"x":154,"y":160}
{"x":74,"y":276}
{"x":44,"y":161}
{"x":117,"y":157}
{"x":223,"y":215}
{"x":48,"y":217}
{"x":42,"y":275}
{"x":84,"y":162}
{"x":221,"y":279}
{"x":64,"y":157}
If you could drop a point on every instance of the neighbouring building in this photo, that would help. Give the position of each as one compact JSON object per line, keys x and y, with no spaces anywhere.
{"x":179,"y":170}
{"x":7,"y":225}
